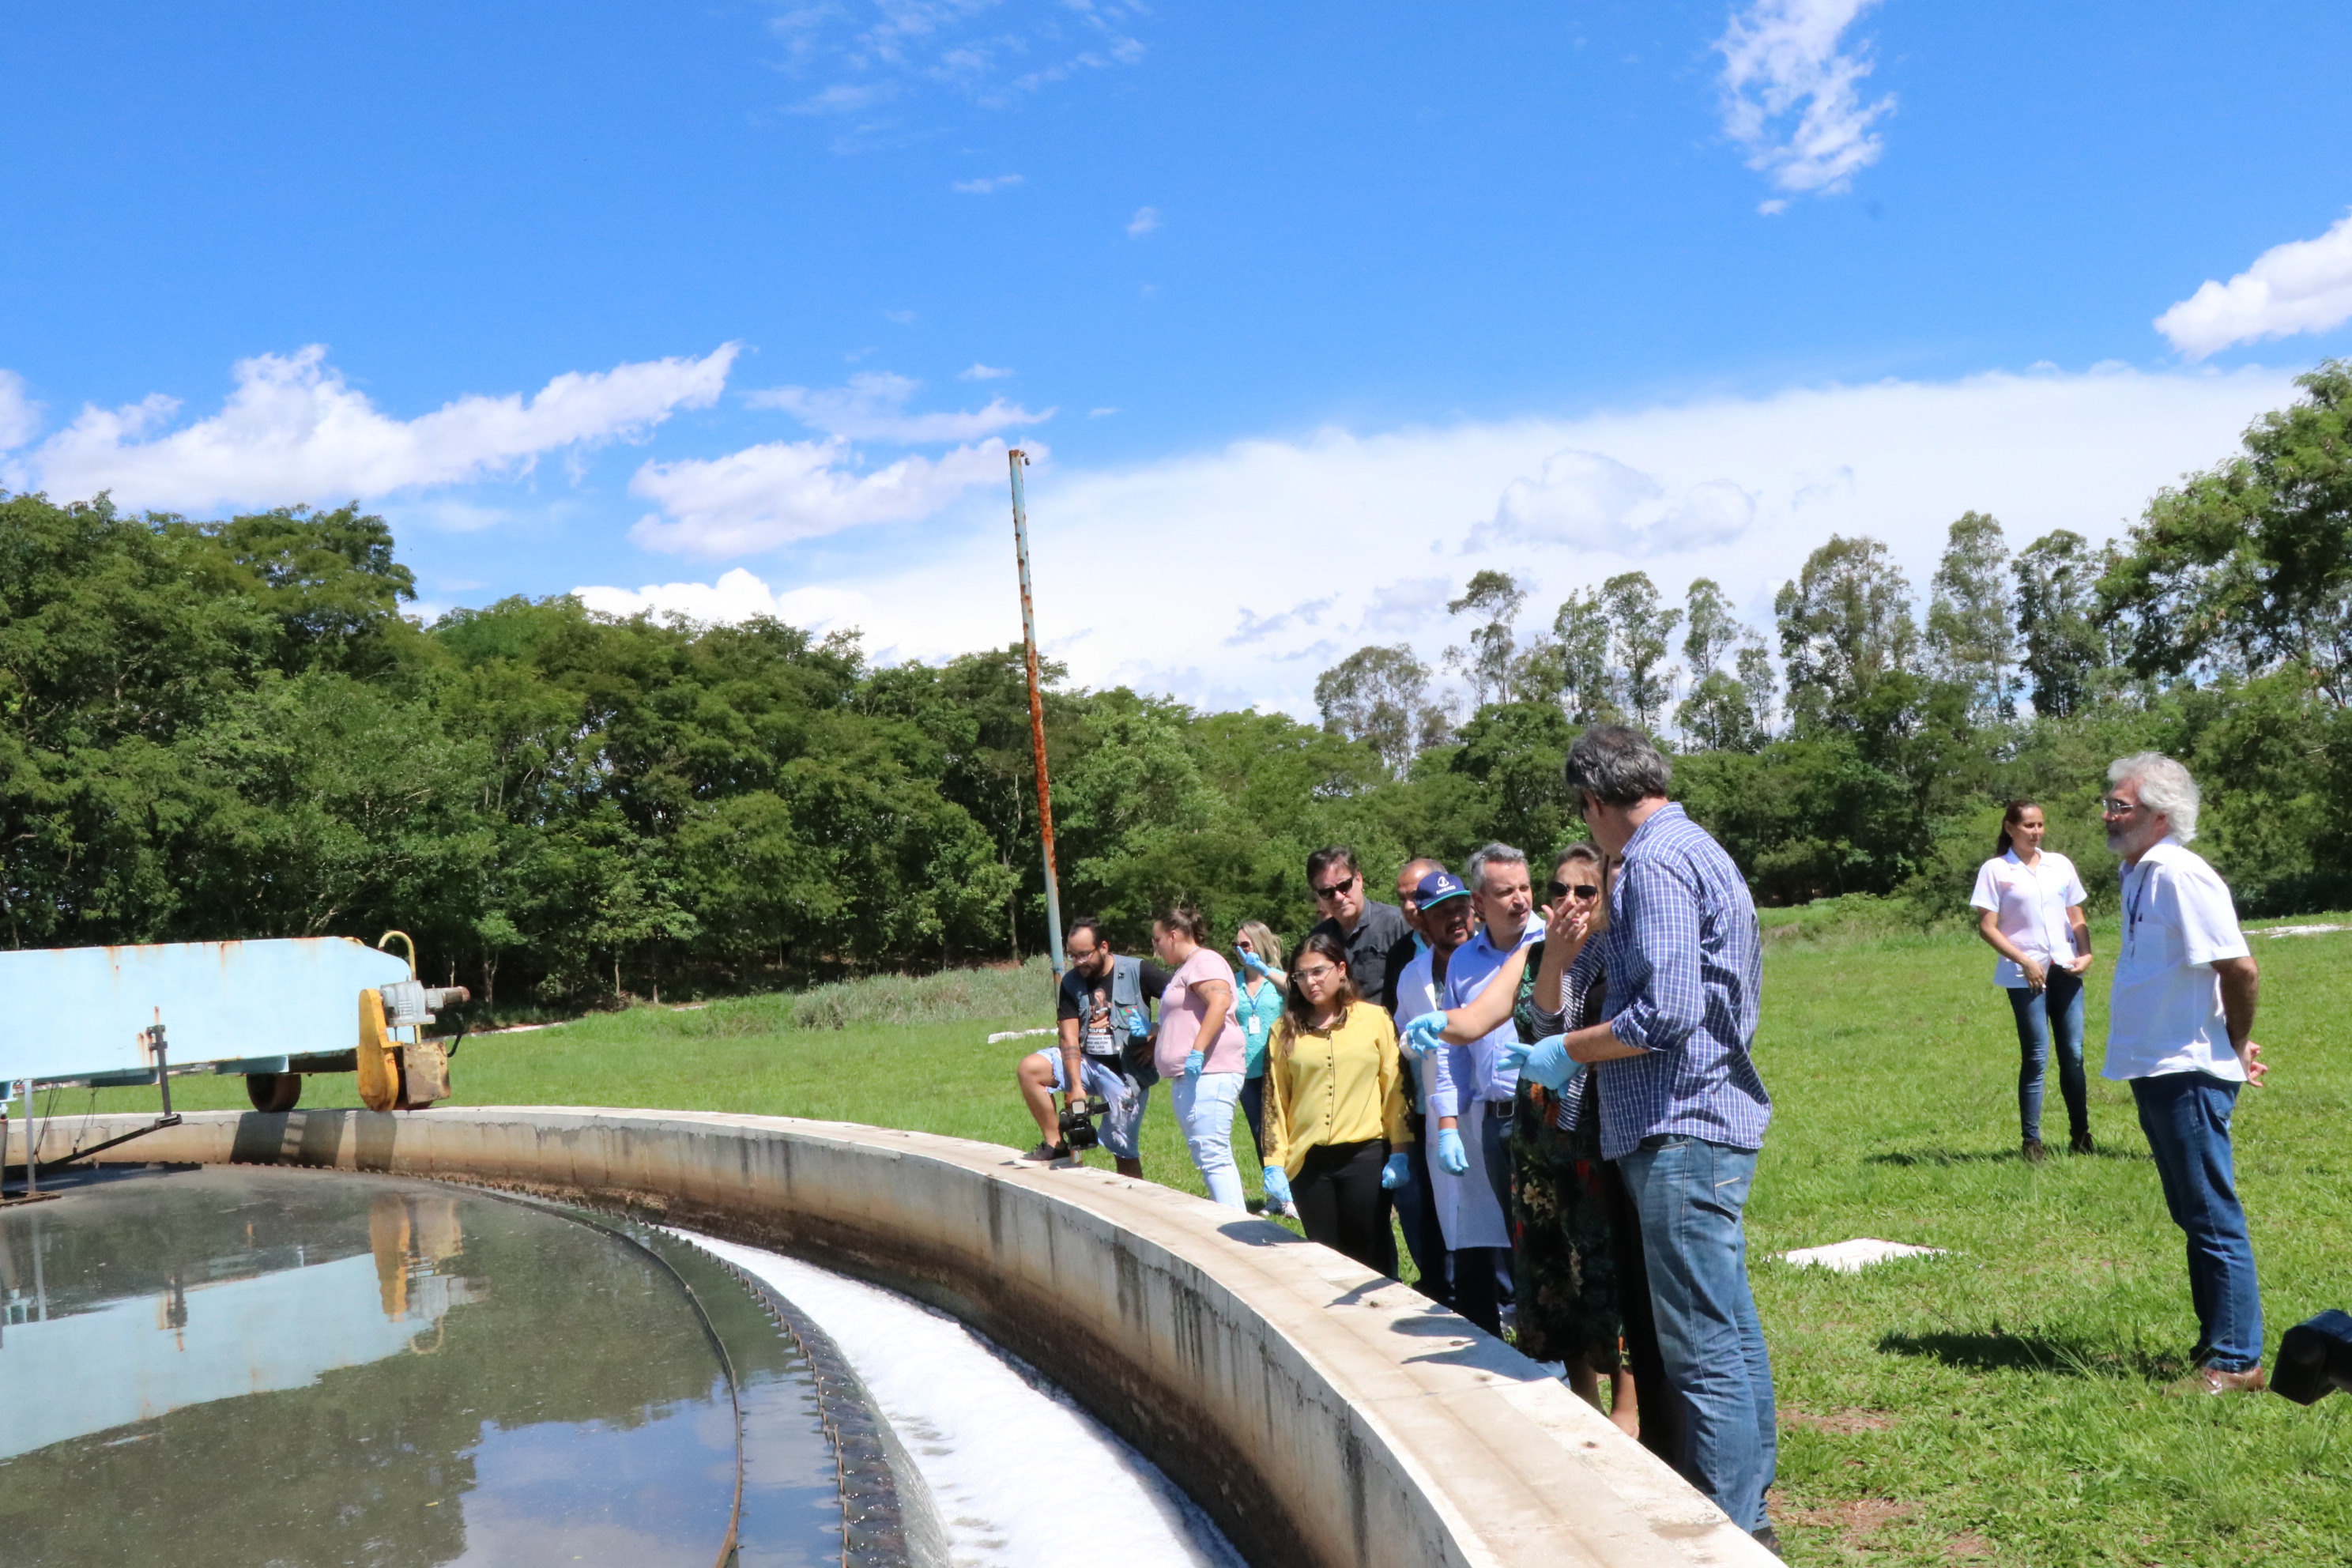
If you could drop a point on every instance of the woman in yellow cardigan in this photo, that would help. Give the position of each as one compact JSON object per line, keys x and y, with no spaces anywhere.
{"x":1335,"y":1120}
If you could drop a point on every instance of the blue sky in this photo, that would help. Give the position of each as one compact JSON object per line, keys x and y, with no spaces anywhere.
{"x":1311,"y":310}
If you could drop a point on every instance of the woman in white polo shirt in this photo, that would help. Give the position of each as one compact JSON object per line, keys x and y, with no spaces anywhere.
{"x":2032,"y":904}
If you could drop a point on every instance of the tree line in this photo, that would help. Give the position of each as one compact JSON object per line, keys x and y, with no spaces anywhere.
{"x":228,"y":729}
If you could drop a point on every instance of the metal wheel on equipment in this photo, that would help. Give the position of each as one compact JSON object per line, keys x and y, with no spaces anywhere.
{"x":273,"y":1090}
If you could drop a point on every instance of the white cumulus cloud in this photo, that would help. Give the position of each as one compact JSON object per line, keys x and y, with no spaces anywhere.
{"x":20,"y":416}
{"x":1792,"y":95}
{"x":983,"y":372}
{"x":1578,"y":498}
{"x":770,"y":495}
{"x":1739,"y":489}
{"x":987,"y":184}
{"x":737,"y":595}
{"x":873,"y":407}
{"x":2303,"y":286}
{"x":1145,"y":220}
{"x":293,"y":430}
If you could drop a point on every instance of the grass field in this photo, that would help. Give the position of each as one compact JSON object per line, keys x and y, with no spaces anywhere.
{"x":1997,"y":1404}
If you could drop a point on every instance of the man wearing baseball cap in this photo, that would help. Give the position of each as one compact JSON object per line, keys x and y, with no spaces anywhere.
{"x":1440,"y":910}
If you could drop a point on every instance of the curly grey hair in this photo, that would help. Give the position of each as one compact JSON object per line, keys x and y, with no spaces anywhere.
{"x":2165,"y":787}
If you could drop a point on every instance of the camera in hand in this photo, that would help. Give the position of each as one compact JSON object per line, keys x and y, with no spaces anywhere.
{"x":1079,"y":1133}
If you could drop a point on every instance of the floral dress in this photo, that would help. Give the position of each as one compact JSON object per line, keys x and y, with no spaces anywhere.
{"x":1565,"y":1279}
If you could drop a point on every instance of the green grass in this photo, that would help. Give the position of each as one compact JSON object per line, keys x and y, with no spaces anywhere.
{"x":2002,"y":1403}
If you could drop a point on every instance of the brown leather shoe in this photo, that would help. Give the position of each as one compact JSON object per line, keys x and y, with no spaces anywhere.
{"x":2213,"y":1380}
{"x":2035,"y":1151}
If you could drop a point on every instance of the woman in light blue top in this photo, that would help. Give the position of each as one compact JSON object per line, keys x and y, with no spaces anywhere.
{"x":1263,"y":983}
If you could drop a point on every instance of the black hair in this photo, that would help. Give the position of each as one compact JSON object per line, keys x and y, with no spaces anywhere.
{"x":1325,"y":858}
{"x":1296,"y":1007}
{"x":2012,"y":815}
{"x":1085,"y":922}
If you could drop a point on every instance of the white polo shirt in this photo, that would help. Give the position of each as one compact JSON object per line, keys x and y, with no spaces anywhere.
{"x":2165,"y":1014}
{"x":2029,"y":904}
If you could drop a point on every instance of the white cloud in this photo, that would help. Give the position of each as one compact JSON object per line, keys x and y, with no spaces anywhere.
{"x":771,"y":494}
{"x":2303,"y":286}
{"x":873,"y":407}
{"x":1100,"y":413}
{"x":1145,"y":220}
{"x":986,"y":183}
{"x":20,"y":416}
{"x":986,"y":51}
{"x":899,"y":318}
{"x":1578,"y":498}
{"x":293,"y":431}
{"x":1256,"y":629}
{"x":737,"y":595}
{"x":983,"y":372}
{"x":1143,"y":571}
{"x":1781,"y":60}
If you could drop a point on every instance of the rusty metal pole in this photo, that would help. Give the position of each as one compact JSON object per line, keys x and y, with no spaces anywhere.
{"x":1016,"y":459}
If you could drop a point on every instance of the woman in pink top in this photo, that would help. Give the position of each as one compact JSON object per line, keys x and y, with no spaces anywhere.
{"x":1201,"y":1050}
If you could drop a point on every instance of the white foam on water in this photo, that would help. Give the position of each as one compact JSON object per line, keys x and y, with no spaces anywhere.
{"x":1020,"y":1477}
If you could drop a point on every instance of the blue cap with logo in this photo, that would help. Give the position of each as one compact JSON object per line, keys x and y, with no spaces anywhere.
{"x":1438,"y":886}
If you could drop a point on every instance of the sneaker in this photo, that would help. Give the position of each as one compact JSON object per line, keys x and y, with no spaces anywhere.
{"x":2082,"y":1144}
{"x":2035,"y":1151}
{"x":1048,"y":1153}
{"x":2209,"y":1379}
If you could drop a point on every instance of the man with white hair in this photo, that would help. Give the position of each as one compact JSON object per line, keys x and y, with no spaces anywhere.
{"x":2180,"y":1031}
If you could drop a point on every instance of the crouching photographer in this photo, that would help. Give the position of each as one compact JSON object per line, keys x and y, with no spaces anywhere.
{"x":1104,"y":1018}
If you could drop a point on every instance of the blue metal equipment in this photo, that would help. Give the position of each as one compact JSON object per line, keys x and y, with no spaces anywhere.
{"x":272,"y":1010}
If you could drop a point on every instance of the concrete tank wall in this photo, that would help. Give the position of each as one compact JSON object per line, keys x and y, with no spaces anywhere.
{"x":1321,"y":1414}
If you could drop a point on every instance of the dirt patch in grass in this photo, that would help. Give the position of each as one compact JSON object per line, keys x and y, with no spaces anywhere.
{"x":1838,"y":1421}
{"x":1856,"y":1520}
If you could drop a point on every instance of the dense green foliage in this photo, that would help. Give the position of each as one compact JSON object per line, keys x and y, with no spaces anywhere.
{"x":228,"y":729}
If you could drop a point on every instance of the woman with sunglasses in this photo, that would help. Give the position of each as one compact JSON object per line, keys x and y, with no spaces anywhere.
{"x":1258,"y":1007}
{"x":1335,"y":1122}
{"x":1566,"y":1199}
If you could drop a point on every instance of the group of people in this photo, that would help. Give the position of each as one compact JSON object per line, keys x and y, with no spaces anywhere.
{"x":2180,"y":1022}
{"x":1556,"y":1099}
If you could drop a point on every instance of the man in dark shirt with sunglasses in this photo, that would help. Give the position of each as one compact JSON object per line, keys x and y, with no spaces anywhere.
{"x":1378,"y":940}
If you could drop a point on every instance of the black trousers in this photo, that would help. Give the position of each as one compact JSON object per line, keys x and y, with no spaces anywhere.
{"x":1416,"y":1212}
{"x":1662,"y":1407}
{"x":1342,"y":1203}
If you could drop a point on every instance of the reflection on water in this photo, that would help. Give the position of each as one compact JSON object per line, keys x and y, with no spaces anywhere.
{"x":240,"y":1366}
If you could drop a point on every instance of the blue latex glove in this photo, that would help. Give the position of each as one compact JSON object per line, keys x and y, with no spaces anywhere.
{"x":1251,"y":960}
{"x":1396,"y":1173}
{"x":1194,"y":1062}
{"x":1451,"y":1156}
{"x":1422,"y":1034}
{"x":1277,"y":1184}
{"x":1545,"y":1062}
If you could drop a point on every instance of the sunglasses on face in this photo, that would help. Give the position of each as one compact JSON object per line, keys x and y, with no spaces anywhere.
{"x":1325,"y":895}
{"x":1582,"y":889}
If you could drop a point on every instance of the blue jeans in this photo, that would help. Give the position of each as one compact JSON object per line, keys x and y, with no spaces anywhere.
{"x":2054,"y":1011}
{"x":1690,"y":1195}
{"x":1204,"y":1109}
{"x":2186,"y":1115}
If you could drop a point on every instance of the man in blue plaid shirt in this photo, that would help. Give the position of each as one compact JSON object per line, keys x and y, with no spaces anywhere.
{"x":1682,"y":1111}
